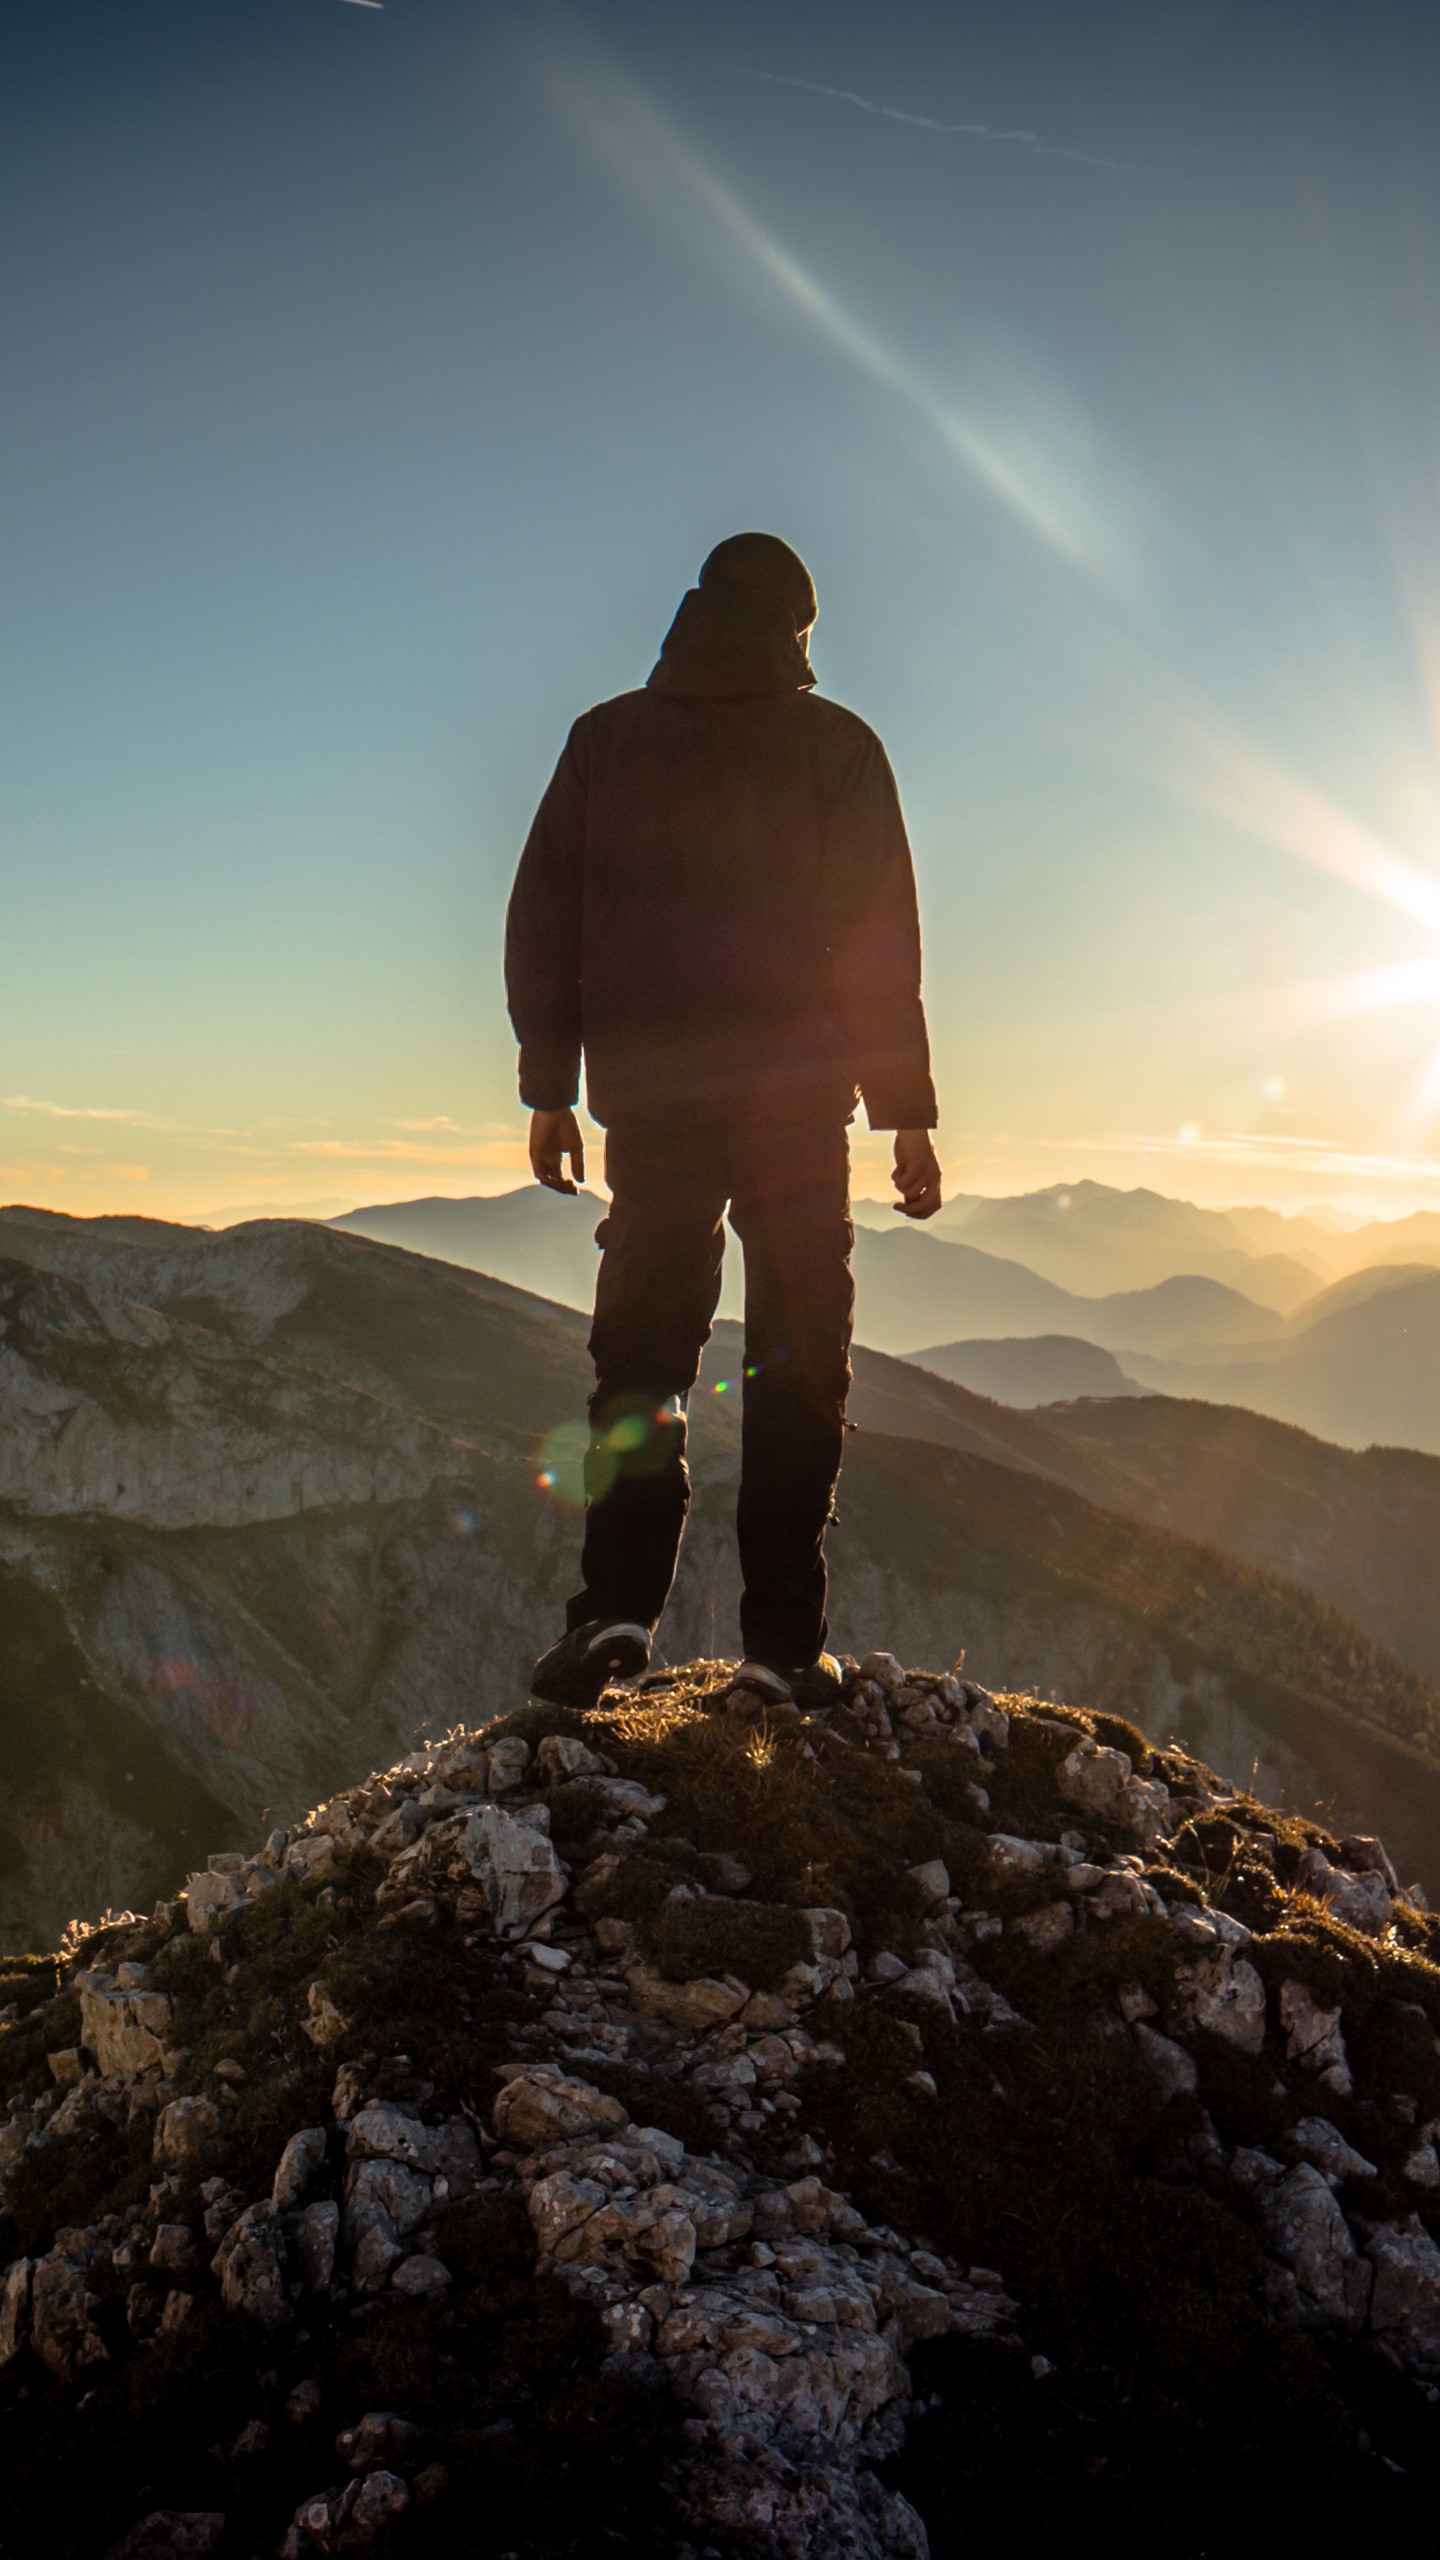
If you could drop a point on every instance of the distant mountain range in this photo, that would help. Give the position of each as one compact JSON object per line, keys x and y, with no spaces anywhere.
{"x":913,"y":1286}
{"x":1046,"y":1368}
{"x":1353,"y":1361}
{"x":272,"y":1496}
{"x":1357,"y":1366}
{"x":1092,"y":1238}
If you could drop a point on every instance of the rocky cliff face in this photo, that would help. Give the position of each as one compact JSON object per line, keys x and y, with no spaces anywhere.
{"x":697,"y":2127}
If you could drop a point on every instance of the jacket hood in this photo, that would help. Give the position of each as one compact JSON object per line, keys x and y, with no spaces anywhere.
{"x":726,"y":643}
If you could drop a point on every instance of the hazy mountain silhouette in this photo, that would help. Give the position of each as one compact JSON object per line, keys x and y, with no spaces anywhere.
{"x":916,"y":1289}
{"x":1041,"y":1369}
{"x":536,"y":1239}
{"x":1366,"y":1368}
{"x":1094,"y":1239}
{"x":912,"y":1288}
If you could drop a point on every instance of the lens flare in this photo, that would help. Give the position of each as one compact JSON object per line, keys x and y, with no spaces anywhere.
{"x":560,"y":1469}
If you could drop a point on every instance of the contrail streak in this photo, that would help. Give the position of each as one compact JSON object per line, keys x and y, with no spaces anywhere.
{"x":932,"y":124}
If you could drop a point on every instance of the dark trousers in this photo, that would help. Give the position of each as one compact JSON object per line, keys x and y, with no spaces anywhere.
{"x":788,"y":1190}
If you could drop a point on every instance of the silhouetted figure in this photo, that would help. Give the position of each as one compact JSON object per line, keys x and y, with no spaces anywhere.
{"x":716,"y":908}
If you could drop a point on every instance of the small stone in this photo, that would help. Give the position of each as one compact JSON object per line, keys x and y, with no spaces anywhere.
{"x":1405,"y":2305}
{"x":185,"y":2131}
{"x":884,"y":1670}
{"x":348,"y":2093}
{"x":250,"y":2263}
{"x":1318,"y":2140}
{"x":886,"y":1967}
{"x":1313,"y":2039}
{"x":932,"y":1877}
{"x":378,"y":2501}
{"x":66,"y":2333}
{"x":302,"y":2156}
{"x":382,"y":2131}
{"x":1010,"y":1858}
{"x":923,"y":2083}
{"x":560,"y":1757}
{"x":326,"y":2025}
{"x":381,"y":2439}
{"x":1306,"y":2230}
{"x":1094,"y":1778}
{"x":540,"y":2106}
{"x":1252,"y":2168}
{"x":316,"y":2234}
{"x":1223,"y":1996}
{"x":514,"y":1866}
{"x":765,"y":2010}
{"x":698,"y":2005}
{"x":1047,"y":1928}
{"x":67,"y":2066}
{"x":125,"y":2030}
{"x":829,"y":1934}
{"x":14,"y":2309}
{"x":173,"y":2248}
{"x":422,"y":2278}
{"x":1173,"y":2067}
{"x":509,"y":1758}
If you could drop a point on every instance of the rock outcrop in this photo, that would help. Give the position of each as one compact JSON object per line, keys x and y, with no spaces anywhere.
{"x":703,"y":2127}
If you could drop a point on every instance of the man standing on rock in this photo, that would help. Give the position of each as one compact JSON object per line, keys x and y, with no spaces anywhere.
{"x":716,"y":908}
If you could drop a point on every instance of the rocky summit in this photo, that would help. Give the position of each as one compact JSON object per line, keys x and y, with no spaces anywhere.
{"x":701,"y":2129}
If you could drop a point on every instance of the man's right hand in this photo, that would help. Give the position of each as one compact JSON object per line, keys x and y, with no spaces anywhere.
{"x":917,"y":1174}
{"x":554,"y":1135}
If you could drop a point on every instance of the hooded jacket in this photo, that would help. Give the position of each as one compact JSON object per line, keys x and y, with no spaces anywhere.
{"x":716,"y":902}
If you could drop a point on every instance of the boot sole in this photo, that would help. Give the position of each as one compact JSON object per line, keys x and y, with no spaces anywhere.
{"x":618,"y":1658}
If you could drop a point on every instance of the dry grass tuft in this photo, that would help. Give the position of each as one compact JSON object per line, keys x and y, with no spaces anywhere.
{"x":633,"y":1719}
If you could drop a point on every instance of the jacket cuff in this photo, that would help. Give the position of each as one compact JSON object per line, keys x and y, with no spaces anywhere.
{"x":902,"y":1106}
{"x":549,"y":1078}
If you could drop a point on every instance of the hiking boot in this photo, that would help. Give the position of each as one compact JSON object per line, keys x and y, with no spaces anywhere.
{"x":770,"y":1685}
{"x":815,"y":1687}
{"x":587,"y":1659}
{"x":819,"y":1686}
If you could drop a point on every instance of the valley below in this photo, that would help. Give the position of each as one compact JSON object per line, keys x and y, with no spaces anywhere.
{"x":272,"y":1512}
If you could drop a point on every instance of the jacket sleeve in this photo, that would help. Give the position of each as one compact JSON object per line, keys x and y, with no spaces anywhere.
{"x":874,"y":930}
{"x":543,"y":939}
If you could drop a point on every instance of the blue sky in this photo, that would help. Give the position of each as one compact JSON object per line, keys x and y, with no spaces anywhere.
{"x":376,"y":379}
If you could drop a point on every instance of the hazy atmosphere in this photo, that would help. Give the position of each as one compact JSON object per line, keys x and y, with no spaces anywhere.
{"x":375,"y":380}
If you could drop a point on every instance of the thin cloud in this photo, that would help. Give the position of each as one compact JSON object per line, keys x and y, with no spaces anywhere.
{"x":1272,"y":1150}
{"x":70,"y":1111}
{"x":509,"y":1151}
{"x":110,"y":1112}
{"x":1020,"y":134}
{"x":441,"y":1122}
{"x":367,"y":4}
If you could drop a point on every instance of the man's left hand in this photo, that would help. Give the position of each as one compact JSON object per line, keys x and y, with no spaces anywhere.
{"x":917,"y":1174}
{"x":554,"y":1135}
